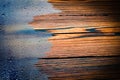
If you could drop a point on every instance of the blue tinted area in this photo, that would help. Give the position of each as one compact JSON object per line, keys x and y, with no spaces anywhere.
{"x":20,"y":69}
{"x":22,"y":11}
{"x":20,"y":45}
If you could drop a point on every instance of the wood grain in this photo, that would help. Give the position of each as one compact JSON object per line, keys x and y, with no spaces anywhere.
{"x":85,"y":41}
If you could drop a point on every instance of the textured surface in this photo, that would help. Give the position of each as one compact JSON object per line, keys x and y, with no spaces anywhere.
{"x":82,"y":28}
{"x":81,"y":68}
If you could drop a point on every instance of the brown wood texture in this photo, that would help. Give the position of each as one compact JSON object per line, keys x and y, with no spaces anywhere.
{"x":99,"y":68}
{"x":85,"y":41}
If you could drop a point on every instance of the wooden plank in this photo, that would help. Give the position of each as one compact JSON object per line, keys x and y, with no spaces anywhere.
{"x":85,"y":41}
{"x":83,"y":28}
{"x":80,"y":13}
{"x":99,"y":68}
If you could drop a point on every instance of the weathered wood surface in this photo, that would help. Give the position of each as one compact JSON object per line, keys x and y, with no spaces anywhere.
{"x":80,"y":13}
{"x":84,"y":28}
{"x":99,"y":68}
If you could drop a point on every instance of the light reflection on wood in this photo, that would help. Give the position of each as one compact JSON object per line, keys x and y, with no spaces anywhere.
{"x":83,"y":28}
